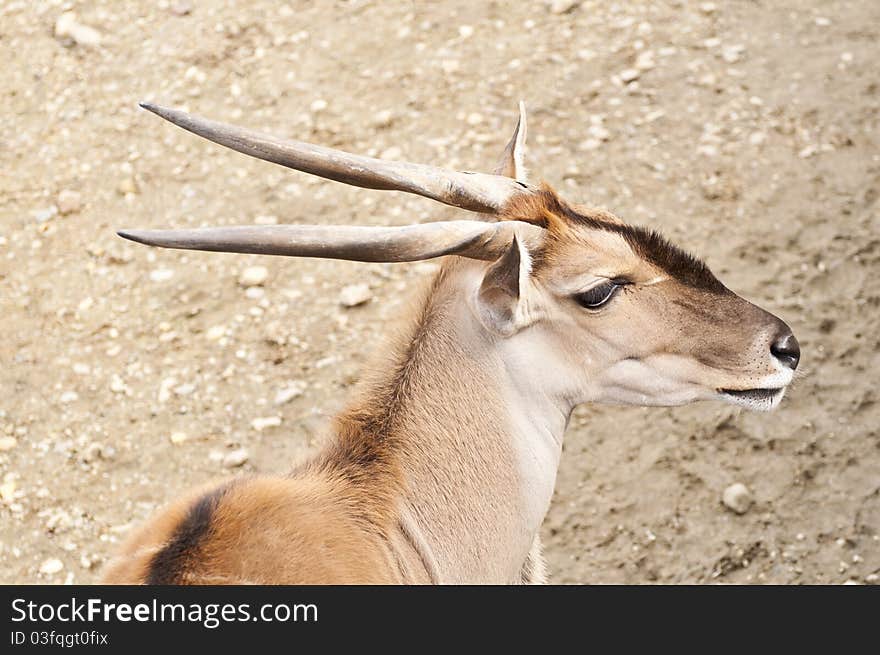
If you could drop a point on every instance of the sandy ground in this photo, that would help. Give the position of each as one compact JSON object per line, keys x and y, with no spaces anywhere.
{"x":746,"y":131}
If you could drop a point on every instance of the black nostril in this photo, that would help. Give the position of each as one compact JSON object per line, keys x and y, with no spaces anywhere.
{"x":787,"y":350}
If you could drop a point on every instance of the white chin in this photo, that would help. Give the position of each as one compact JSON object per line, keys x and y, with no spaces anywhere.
{"x":761,"y":400}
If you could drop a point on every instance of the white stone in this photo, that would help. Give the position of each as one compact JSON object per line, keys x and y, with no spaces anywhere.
{"x":732,"y":53}
{"x":354,"y":295}
{"x":184,"y":389}
{"x":289,"y":392}
{"x":8,"y":443}
{"x":178,"y":438}
{"x":161,"y":274}
{"x":68,"y":25}
{"x":43,"y":215}
{"x":629,"y":75}
{"x":165,"y":387}
{"x":737,"y":497}
{"x":261,"y":423}
{"x":117,"y":384}
{"x":450,"y":66}
{"x":236,"y":458}
{"x":645,"y":61}
{"x":69,"y":397}
{"x":69,"y":202}
{"x":599,"y":132}
{"x":563,"y":6}
{"x":253,"y":276}
{"x":7,"y":491}
{"x":383,"y":118}
{"x":51,"y":566}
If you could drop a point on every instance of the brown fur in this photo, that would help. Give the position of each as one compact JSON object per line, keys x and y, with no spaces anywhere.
{"x":547,"y":209}
{"x":340,"y":504}
{"x":344,"y":516}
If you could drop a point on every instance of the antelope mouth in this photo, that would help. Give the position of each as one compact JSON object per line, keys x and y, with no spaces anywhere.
{"x":760,"y":399}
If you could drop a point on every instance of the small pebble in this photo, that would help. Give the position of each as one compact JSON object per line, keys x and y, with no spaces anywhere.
{"x":262,"y":423}
{"x":7,"y":491}
{"x":645,"y":61}
{"x":354,"y":295}
{"x":184,"y":389}
{"x":450,"y":66}
{"x":7,"y":443}
{"x":43,"y":215}
{"x":563,"y":6}
{"x":181,"y":8}
{"x":629,"y":75}
{"x":127,"y":185}
{"x":68,"y":26}
{"x":69,"y":397}
{"x":253,"y":276}
{"x":737,"y":497}
{"x":383,"y":118}
{"x":599,"y":132}
{"x":165,"y":387}
{"x":288,"y":393}
{"x":757,"y":138}
{"x":236,"y":458}
{"x":178,"y":438}
{"x":51,"y":566}
{"x":117,"y":384}
{"x":732,"y":53}
{"x":69,"y":202}
{"x":161,"y":274}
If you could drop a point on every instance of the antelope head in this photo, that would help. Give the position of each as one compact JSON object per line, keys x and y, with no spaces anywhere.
{"x":581,"y":304}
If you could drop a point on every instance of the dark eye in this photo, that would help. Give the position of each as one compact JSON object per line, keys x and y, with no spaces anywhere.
{"x":599,"y":294}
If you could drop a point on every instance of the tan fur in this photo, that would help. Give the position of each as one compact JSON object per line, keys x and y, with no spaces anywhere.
{"x":336,"y":520}
{"x":443,"y":466}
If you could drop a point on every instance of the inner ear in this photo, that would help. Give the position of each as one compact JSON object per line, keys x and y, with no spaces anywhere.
{"x":500,"y":299}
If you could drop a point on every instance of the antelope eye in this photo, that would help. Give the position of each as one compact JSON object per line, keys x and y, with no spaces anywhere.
{"x":599,"y":294}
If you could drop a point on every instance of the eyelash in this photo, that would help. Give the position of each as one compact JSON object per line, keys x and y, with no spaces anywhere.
{"x":600,"y":295}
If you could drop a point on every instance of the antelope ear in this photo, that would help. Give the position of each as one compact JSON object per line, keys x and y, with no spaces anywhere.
{"x":511,"y":162}
{"x":500,"y":300}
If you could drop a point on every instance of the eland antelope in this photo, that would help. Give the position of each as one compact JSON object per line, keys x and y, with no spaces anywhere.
{"x":442,"y":467}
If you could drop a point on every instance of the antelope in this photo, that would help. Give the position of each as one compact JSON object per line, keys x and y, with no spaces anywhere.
{"x":442,"y":467}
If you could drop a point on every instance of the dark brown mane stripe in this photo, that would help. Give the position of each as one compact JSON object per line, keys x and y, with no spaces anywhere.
{"x":169,"y":564}
{"x":647,"y":243}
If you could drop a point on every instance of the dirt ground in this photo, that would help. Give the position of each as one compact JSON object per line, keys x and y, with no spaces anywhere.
{"x":746,"y":131}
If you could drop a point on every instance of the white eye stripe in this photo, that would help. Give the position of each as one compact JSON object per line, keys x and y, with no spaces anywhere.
{"x":656,"y":280}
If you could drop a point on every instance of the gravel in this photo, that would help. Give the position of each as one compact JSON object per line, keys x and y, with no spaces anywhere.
{"x":737,"y":497}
